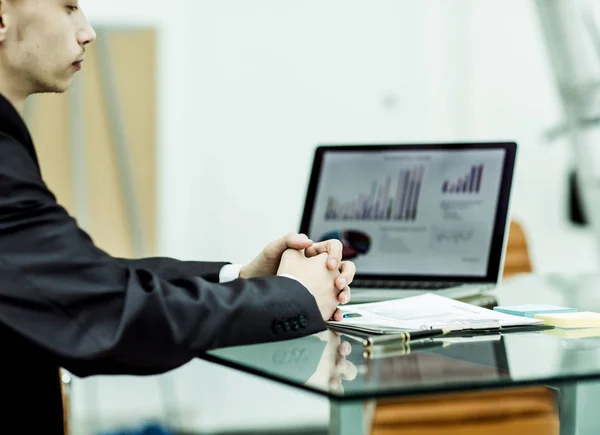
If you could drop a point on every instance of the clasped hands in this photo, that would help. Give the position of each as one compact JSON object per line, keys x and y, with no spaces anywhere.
{"x":318,"y":266}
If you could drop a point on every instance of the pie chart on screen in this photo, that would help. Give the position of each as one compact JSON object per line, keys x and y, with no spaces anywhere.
{"x":355,"y":242}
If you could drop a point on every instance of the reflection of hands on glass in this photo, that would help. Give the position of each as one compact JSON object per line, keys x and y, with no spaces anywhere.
{"x":333,"y":368}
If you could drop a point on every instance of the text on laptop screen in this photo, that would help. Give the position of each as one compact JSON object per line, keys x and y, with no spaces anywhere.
{"x":410,"y":212}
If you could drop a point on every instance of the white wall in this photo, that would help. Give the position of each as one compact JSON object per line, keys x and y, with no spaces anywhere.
{"x":127,"y":13}
{"x":512,"y":94}
{"x":248,"y":88}
{"x":280,"y":77}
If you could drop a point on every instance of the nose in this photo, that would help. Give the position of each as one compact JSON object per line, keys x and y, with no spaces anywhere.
{"x":87,"y":34}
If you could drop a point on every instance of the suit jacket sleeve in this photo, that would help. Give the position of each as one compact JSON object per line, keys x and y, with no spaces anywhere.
{"x":170,"y":268}
{"x":98,"y":314}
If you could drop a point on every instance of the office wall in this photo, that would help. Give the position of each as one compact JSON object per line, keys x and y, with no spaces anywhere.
{"x":511,"y":93}
{"x":272,"y":79}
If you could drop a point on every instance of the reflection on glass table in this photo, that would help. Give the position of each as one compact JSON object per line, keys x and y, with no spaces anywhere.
{"x":335,"y":366}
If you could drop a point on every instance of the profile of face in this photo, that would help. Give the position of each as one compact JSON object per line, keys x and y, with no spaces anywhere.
{"x":42,"y":44}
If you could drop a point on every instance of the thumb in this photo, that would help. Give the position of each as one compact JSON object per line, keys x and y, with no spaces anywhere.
{"x":290,"y":241}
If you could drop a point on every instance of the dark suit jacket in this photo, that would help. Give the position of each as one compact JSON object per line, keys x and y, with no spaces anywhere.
{"x":65,"y":303}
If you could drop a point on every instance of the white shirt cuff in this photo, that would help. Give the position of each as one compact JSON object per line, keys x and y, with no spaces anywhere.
{"x":229,"y":272}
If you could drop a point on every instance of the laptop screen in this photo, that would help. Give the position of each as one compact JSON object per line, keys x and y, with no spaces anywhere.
{"x":413,"y":210}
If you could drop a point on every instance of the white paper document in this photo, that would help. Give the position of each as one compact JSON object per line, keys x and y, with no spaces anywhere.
{"x":428,"y":311}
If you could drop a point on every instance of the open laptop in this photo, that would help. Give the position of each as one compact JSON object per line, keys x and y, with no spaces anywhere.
{"x":414,"y":218}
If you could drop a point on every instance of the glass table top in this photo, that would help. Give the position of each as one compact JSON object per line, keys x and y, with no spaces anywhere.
{"x":336,"y":365}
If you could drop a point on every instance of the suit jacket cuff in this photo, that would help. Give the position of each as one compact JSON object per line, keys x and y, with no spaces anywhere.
{"x":285,"y":275}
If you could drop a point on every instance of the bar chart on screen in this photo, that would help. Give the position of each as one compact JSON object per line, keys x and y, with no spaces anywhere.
{"x":391,"y":198}
{"x":468,"y":183}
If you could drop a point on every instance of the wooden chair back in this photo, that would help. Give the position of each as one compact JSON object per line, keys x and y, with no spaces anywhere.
{"x":518,"y":259}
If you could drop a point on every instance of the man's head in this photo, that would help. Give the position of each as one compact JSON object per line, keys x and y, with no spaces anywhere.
{"x":41,"y":42}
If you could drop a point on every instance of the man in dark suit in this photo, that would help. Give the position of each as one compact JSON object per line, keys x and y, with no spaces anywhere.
{"x":66,"y":303}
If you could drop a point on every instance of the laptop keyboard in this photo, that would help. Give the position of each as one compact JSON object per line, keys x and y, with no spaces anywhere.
{"x":425,"y":285}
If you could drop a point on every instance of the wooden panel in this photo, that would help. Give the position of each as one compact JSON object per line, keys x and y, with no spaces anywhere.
{"x":134,"y":54}
{"x":523,"y":411}
{"x":133,"y":58}
{"x":518,"y":259}
{"x":108,"y":223}
{"x":50,"y":131}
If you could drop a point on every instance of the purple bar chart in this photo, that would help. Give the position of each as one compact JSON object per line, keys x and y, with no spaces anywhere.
{"x":391,"y":199}
{"x":469,"y":183}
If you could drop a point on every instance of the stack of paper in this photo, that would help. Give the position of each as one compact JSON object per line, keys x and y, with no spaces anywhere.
{"x":585,"y":319}
{"x":530,"y":310}
{"x":428,"y":311}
